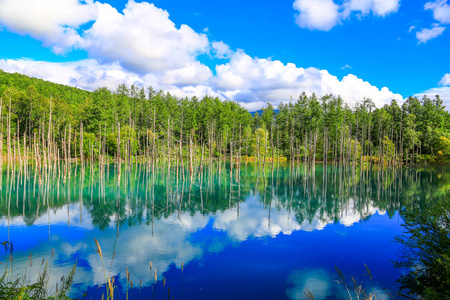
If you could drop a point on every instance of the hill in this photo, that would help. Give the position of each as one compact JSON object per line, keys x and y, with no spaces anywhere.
{"x":21,"y":82}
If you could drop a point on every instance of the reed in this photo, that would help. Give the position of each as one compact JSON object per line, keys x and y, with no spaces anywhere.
{"x":19,"y":285}
{"x":108,"y":281}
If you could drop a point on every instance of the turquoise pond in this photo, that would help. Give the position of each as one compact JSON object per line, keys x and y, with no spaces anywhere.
{"x":251,"y":234}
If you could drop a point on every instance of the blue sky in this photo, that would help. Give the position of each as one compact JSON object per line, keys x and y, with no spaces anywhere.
{"x":253,"y":52}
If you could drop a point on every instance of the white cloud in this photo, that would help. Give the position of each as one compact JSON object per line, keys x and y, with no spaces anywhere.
{"x":165,"y":243}
{"x":221,"y":50}
{"x":143,"y":39}
{"x":192,"y":74}
{"x":318,"y":282}
{"x":441,"y":13}
{"x":249,"y":80}
{"x":443,"y":92}
{"x":379,"y":8}
{"x":86,"y":74}
{"x":254,"y":220}
{"x":427,"y":34}
{"x":411,"y":28}
{"x":325,"y":14}
{"x":55,"y":217}
{"x":349,"y":214}
{"x":317,"y":14}
{"x":321,"y":284}
{"x":90,"y":74}
{"x":441,"y":10}
{"x":54,"y":22}
{"x":445,"y":80}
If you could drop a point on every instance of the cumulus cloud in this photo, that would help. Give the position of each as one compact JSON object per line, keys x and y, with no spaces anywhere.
{"x":445,"y":80}
{"x":317,"y":14}
{"x":249,"y":80}
{"x":86,"y":74}
{"x":90,"y":74}
{"x":440,"y":9}
{"x":325,"y":14}
{"x":443,"y":92}
{"x":54,"y":22}
{"x":221,"y":50}
{"x":379,"y":8}
{"x":143,"y":39}
{"x":427,"y":34}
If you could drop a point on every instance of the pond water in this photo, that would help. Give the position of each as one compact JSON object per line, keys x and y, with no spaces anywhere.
{"x":253,"y":234}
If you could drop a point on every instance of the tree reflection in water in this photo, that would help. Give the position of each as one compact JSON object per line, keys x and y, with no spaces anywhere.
{"x":152,"y":215}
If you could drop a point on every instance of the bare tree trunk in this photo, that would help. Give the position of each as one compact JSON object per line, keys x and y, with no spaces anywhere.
{"x":49,"y":131}
{"x":1,"y":133}
{"x":9,"y":134}
{"x":191,"y":171}
{"x":168,"y":144}
{"x":81,"y":143}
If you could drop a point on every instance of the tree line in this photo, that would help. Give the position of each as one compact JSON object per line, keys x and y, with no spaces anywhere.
{"x":49,"y":121}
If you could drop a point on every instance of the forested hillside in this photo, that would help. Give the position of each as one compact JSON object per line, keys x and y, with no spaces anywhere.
{"x":129,"y":122}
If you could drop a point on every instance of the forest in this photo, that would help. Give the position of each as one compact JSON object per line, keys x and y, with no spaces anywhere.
{"x":45,"y":120}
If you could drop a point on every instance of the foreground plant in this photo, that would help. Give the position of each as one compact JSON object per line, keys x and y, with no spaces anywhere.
{"x":355,"y":288}
{"x":109,"y":281}
{"x":19,"y":287}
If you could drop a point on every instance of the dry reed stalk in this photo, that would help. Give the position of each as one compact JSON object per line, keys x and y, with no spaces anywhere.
{"x":308,"y":294}
{"x":111,"y":288}
{"x":99,"y":249}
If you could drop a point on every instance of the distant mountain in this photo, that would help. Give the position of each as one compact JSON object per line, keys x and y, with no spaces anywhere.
{"x":260,"y":112}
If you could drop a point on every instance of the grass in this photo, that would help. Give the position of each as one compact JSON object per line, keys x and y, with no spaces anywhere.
{"x":21,"y":287}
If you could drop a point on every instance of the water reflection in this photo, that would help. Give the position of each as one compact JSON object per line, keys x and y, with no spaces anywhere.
{"x":153,"y":215}
{"x":322,"y":285}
